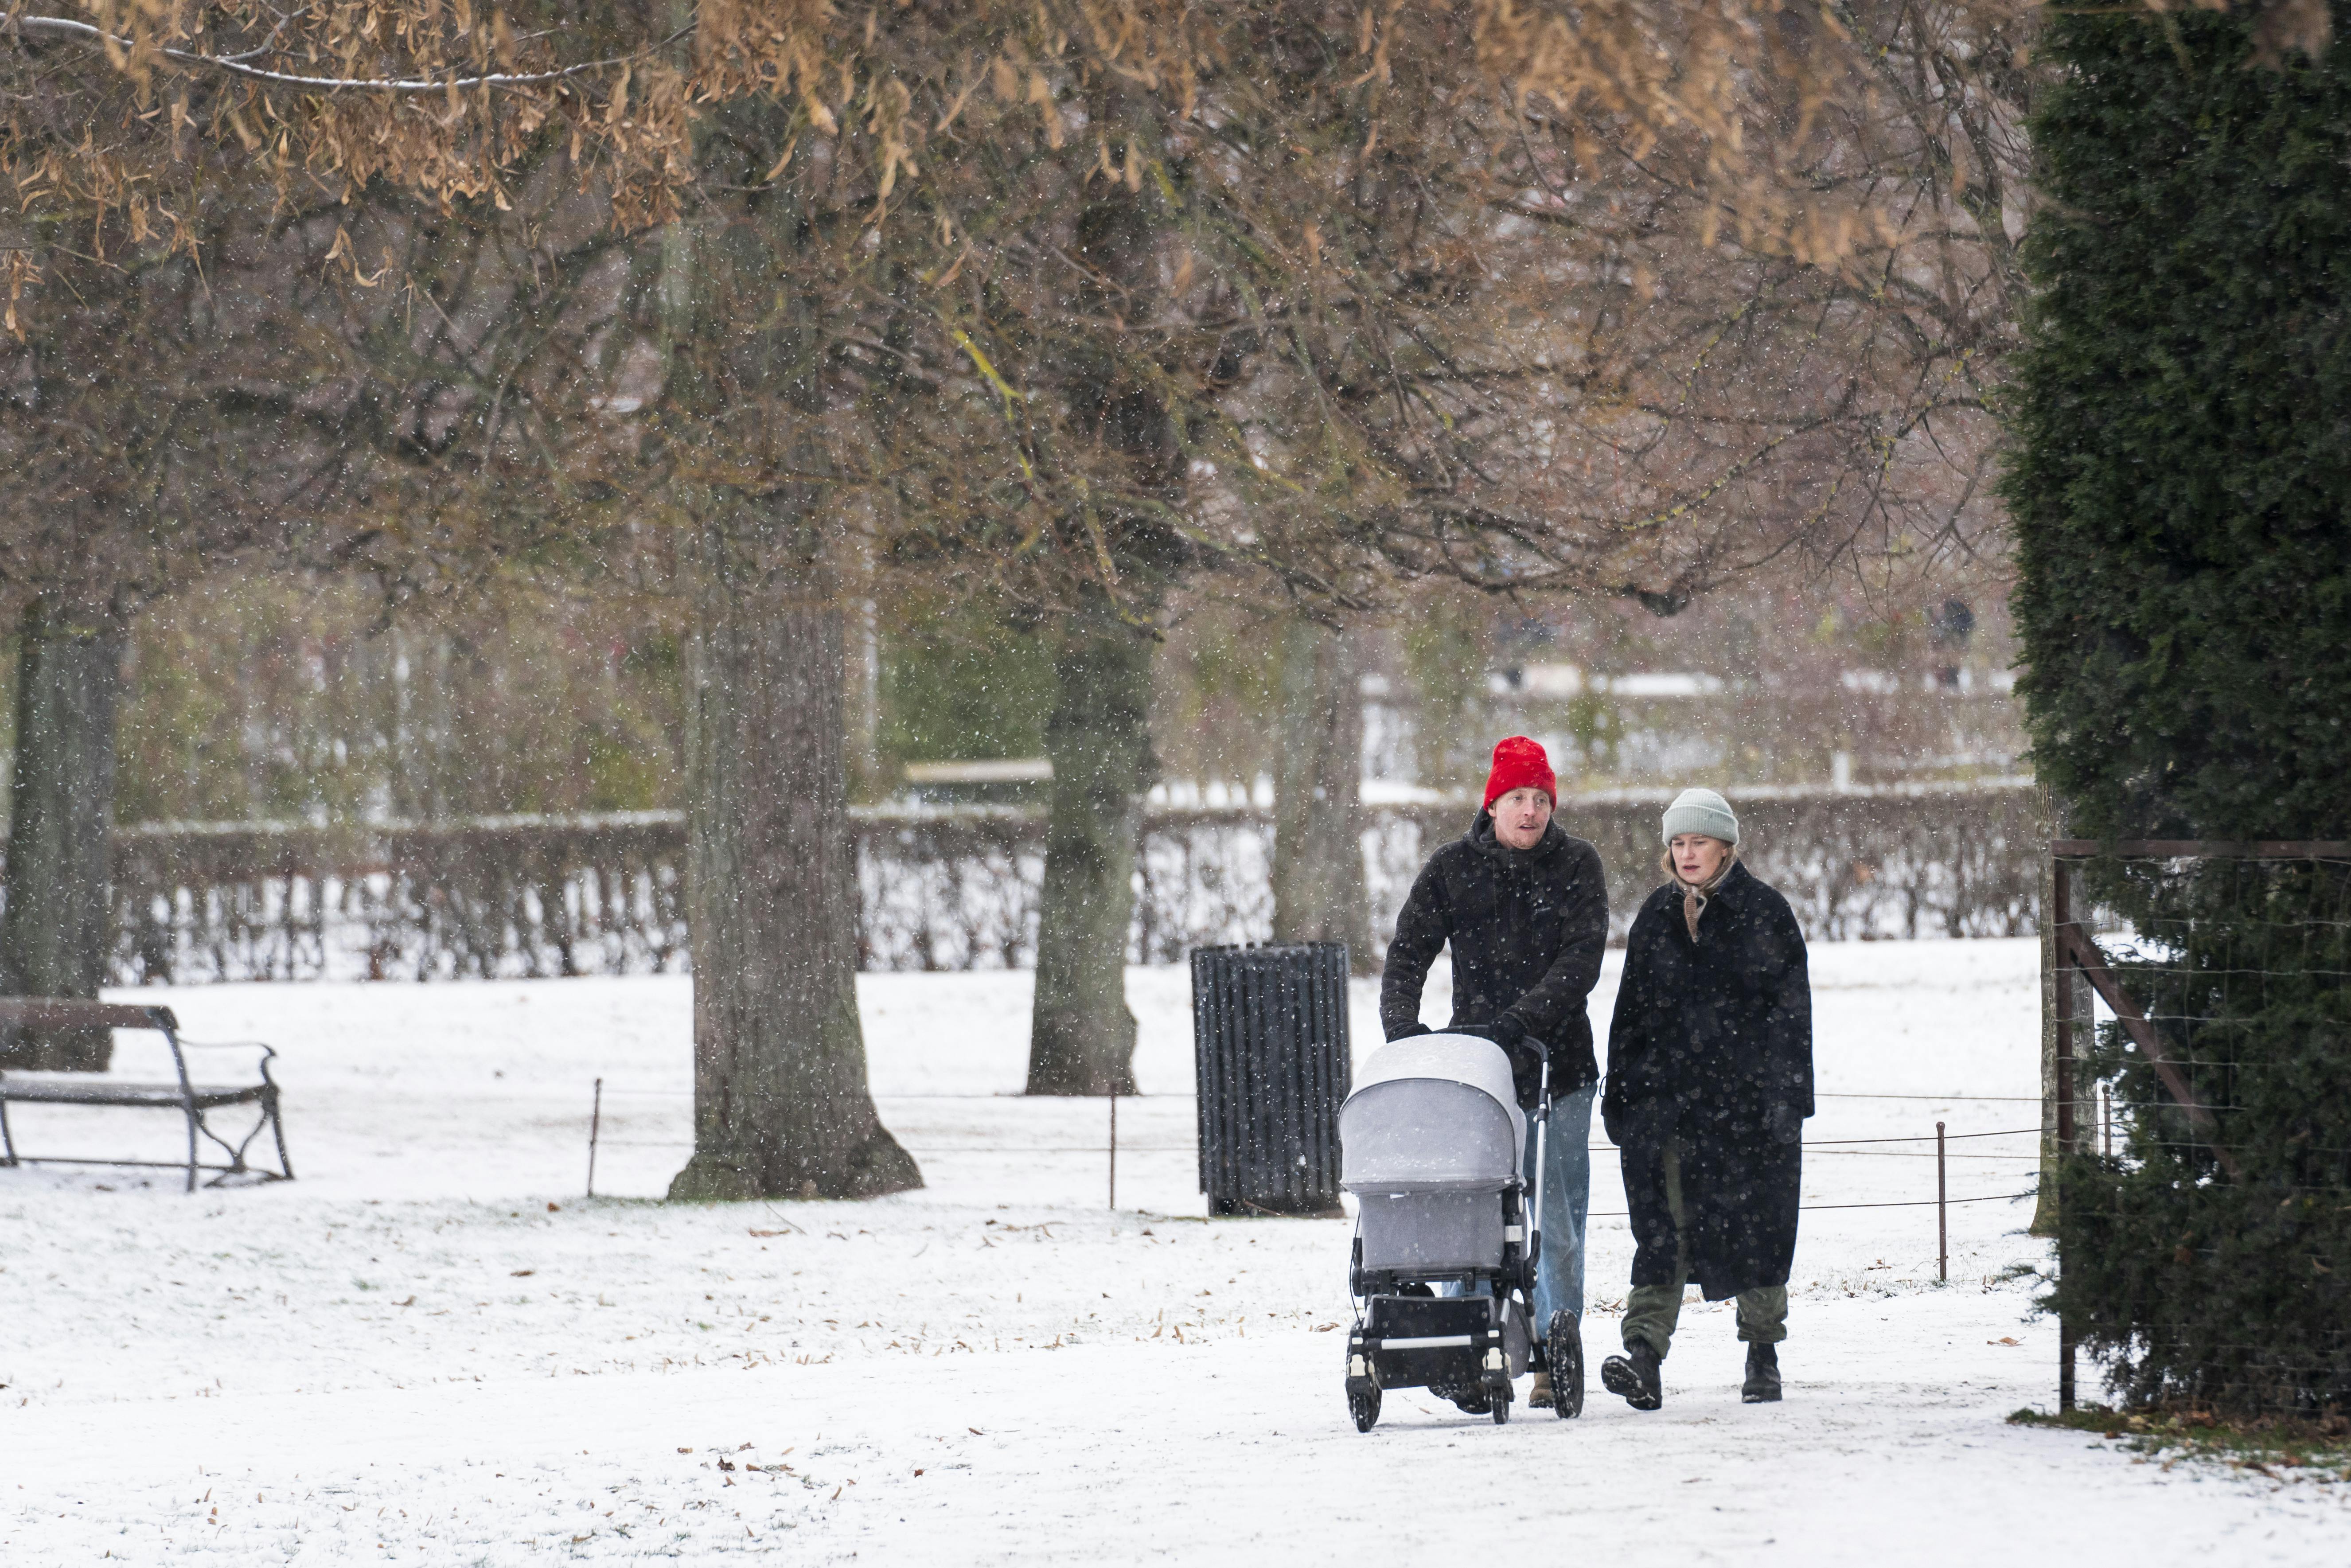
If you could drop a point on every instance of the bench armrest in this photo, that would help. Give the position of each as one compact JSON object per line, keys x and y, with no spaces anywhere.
{"x":268,"y":1051}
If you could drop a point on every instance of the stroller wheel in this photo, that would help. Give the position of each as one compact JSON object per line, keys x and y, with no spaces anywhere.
{"x":1563,"y":1348}
{"x":1502,"y":1407}
{"x":1364,"y":1401}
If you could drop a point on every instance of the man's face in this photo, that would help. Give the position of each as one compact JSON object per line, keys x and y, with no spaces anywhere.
{"x":1697,"y":857}
{"x":1521,"y":816}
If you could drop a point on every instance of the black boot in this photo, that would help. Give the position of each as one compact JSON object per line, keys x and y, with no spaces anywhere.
{"x":1472,"y":1397}
{"x":1762,"y":1384}
{"x":1634,"y":1377}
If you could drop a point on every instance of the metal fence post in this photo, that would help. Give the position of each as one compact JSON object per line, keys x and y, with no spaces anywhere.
{"x":1942,"y":1215}
{"x":595,"y":1126}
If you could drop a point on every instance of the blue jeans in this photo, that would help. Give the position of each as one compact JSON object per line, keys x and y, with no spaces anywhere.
{"x":1566,"y":1185}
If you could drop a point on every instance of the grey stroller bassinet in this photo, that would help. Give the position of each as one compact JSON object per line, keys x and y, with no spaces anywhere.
{"x":1430,"y":1145}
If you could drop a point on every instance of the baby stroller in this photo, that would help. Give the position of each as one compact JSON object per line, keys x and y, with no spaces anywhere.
{"x":1430,"y":1143}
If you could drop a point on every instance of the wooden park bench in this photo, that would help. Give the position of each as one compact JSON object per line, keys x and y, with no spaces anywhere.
{"x":192,"y":1100}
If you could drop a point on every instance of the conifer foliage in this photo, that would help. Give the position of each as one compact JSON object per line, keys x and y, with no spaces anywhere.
{"x":2181,"y":490}
{"x":2183,"y":478}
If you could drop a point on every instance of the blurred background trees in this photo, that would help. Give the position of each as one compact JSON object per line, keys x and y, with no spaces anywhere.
{"x":295,"y":698}
{"x":1161,"y":341}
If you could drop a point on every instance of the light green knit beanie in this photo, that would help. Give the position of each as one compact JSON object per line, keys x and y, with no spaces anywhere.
{"x":1701,"y":811}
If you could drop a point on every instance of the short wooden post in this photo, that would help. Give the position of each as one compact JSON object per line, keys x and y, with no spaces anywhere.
{"x":2061,"y":915}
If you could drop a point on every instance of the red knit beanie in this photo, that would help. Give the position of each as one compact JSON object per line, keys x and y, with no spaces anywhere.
{"x":1520,"y":764}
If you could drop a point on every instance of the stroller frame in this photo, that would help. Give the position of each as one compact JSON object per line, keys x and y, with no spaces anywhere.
{"x":1406,"y":1336}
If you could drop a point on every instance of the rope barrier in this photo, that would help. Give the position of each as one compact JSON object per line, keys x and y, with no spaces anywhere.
{"x":1928,"y":1138}
{"x":1007,"y":1094}
{"x":1908,"y":1203}
{"x":1841,"y":1147}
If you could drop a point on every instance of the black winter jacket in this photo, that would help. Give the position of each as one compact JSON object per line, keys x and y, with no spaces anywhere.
{"x":1528,"y":929}
{"x":1711,"y":1047}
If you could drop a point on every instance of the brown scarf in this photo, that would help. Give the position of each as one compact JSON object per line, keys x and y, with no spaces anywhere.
{"x":1694,"y":896}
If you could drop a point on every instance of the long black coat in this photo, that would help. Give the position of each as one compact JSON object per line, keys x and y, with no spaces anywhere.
{"x":1528,"y":929}
{"x":1712,"y":1046}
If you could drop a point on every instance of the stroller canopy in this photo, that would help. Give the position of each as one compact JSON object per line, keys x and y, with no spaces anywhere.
{"x":1432,"y":1114}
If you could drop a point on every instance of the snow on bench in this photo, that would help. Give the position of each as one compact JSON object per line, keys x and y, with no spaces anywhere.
{"x":190,"y":1099}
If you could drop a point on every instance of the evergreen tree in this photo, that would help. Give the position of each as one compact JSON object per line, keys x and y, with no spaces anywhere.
{"x":2181,"y":491}
{"x":2183,"y":479}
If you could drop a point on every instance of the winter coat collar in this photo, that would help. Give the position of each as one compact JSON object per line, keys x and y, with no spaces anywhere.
{"x":1724,"y":889}
{"x":1731,"y":882}
{"x":1481,"y":833}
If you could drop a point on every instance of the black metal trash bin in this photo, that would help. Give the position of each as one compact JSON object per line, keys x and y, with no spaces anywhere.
{"x":1270,"y":1031}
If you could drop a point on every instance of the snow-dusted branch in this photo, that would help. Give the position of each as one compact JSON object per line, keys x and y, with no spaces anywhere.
{"x":82,"y":32}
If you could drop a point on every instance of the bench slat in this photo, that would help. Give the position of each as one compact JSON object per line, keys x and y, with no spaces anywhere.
{"x":48,"y":1094}
{"x":67,"y":1012}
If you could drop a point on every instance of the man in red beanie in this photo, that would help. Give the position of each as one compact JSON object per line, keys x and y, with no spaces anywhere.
{"x":1524,"y":907}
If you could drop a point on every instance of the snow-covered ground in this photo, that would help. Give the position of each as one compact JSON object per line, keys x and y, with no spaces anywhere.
{"x":432,"y":1349}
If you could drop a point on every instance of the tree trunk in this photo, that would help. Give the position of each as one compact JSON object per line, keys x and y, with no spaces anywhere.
{"x":1082,"y":1033}
{"x":1318,"y":817}
{"x":781,"y":1107}
{"x":58,"y":932}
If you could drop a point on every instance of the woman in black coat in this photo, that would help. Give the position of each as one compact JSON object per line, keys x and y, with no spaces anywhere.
{"x":1709,"y":1082}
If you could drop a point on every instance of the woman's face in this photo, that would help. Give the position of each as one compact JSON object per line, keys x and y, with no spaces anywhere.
{"x":1697,"y":857}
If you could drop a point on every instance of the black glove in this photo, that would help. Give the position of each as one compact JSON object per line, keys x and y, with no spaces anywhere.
{"x":1526,"y":1056}
{"x":1612,"y":1119}
{"x":1527,"y":1073}
{"x":1406,"y":1032}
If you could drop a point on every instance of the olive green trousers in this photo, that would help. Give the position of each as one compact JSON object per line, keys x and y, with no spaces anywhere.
{"x":1652,"y":1311}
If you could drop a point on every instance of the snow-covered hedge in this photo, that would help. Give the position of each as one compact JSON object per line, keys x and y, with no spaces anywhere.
{"x":958,"y":889}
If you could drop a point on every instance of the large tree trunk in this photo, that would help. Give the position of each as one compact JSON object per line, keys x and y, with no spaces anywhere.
{"x":1318,"y":815}
{"x":1082,"y":1033}
{"x":58,"y":932}
{"x":781,"y":1107}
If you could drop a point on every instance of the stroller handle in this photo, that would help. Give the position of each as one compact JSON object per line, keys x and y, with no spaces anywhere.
{"x":1542,"y":1145}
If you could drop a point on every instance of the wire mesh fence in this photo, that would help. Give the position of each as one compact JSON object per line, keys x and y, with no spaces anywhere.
{"x":2205,"y":1212}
